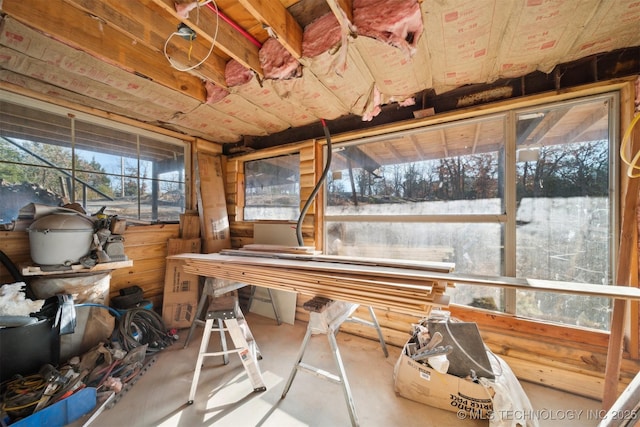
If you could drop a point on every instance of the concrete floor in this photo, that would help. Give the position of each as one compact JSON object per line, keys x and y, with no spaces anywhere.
{"x":225,"y":395}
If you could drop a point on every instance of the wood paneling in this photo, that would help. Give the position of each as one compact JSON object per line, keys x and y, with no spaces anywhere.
{"x":15,"y":245}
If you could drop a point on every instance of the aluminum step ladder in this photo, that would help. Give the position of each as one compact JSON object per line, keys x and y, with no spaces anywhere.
{"x":216,"y":287}
{"x":230,"y":320}
{"x":325,"y":317}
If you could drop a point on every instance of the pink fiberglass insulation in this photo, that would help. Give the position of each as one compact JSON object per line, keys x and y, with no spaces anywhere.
{"x":184,"y":7}
{"x":236,"y":74}
{"x":397,"y":22}
{"x":214,"y":93}
{"x":320,"y":35}
{"x":277,"y":63}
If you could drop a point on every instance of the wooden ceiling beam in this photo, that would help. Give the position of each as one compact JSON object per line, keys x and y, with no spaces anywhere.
{"x":82,"y":31}
{"x":132,"y":18}
{"x":274,"y":15}
{"x":227,"y":39}
{"x":342,"y":6}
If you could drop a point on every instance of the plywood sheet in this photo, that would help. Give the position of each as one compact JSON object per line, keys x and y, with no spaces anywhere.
{"x":275,"y":234}
{"x":212,"y":206}
{"x":179,"y":246}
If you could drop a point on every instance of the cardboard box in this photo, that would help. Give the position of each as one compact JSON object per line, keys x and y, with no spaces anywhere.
{"x":417,"y":381}
{"x":179,"y":313}
{"x":180,"y":246}
{"x":180,"y":298}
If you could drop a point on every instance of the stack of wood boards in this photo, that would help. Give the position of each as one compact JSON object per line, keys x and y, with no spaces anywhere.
{"x":399,"y":287}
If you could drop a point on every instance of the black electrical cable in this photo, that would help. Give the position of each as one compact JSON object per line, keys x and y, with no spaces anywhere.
{"x":139,"y":326}
{"x":304,"y":210}
{"x":11,"y":267}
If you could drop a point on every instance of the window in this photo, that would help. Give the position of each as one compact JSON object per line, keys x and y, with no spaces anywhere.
{"x":525,"y":193}
{"x":272,"y":188}
{"x":52,"y":156}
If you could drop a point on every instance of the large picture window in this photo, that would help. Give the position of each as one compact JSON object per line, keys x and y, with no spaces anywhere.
{"x":52,"y":156}
{"x":525,"y":193}
{"x":272,"y":188}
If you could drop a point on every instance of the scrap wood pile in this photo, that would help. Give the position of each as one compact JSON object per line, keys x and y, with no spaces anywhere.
{"x":397,"y":287}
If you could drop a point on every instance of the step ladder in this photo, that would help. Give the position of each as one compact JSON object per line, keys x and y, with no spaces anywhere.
{"x":325,"y":317}
{"x":230,"y":320}
{"x":214,"y":287}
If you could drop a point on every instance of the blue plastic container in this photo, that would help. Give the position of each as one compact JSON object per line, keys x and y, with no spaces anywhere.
{"x":62,"y":413}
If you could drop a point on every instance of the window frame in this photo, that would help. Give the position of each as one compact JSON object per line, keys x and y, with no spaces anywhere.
{"x":509,"y":111}
{"x":136,"y":132}
{"x":237,"y":169}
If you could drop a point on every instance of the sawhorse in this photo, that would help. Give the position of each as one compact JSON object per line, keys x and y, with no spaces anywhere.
{"x":325,"y":317}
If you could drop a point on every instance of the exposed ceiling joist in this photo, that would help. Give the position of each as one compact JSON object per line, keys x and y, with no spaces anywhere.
{"x":70,"y":25}
{"x":274,"y":15}
{"x":338,"y":7}
{"x":207,"y":25}
{"x":133,"y":19}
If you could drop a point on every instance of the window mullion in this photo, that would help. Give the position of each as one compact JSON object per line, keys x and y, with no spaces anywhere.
{"x":510,"y":207}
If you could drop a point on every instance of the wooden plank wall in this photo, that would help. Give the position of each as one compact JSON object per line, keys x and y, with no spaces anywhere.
{"x":145,"y":245}
{"x":15,"y":245}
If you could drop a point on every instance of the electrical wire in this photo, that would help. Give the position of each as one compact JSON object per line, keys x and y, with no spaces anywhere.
{"x":303,"y":212}
{"x":177,"y":33}
{"x":139,"y":326}
{"x":633,"y":164}
{"x":20,"y":395}
{"x":234,"y":25}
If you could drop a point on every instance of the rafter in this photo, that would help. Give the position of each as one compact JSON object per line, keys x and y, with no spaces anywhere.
{"x":272,"y":14}
{"x":65,"y":22}
{"x":132,"y":19}
{"x":338,"y":7}
{"x":226,"y":38}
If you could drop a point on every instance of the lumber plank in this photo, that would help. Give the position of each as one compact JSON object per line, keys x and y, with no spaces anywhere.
{"x":627,"y":250}
{"x":34,"y":270}
{"x":273,"y":14}
{"x":65,"y":22}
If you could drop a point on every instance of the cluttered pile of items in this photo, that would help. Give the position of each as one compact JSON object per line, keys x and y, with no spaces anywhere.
{"x":37,"y":384}
{"x":446,"y":364}
{"x":63,"y":347}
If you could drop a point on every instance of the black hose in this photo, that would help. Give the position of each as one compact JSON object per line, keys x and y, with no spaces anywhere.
{"x":304,"y":210}
{"x":11,"y":267}
{"x":139,"y":326}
